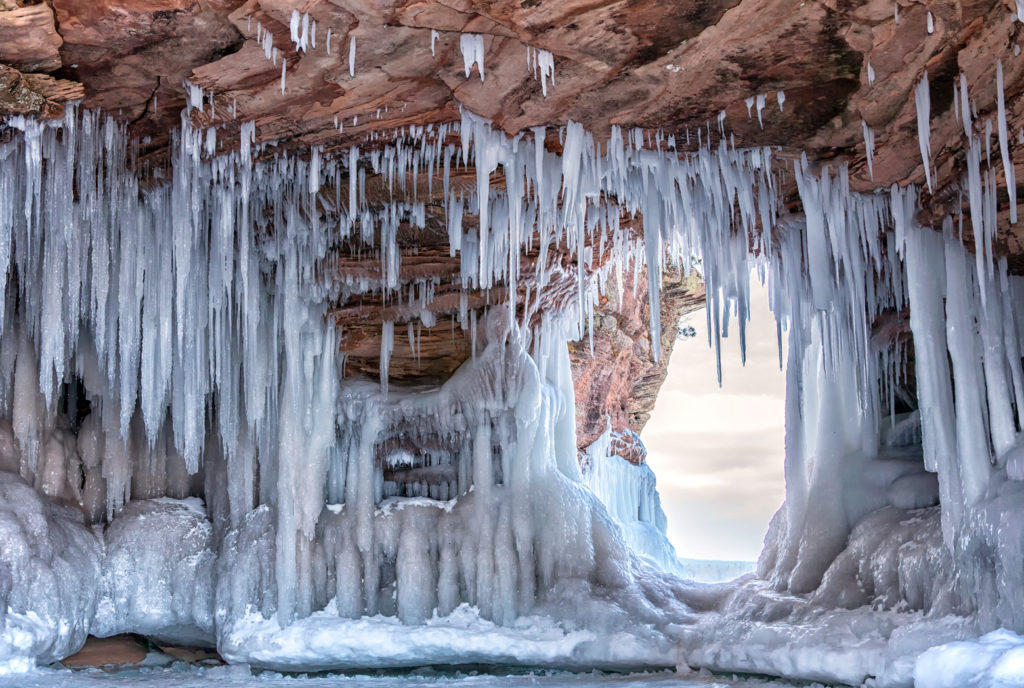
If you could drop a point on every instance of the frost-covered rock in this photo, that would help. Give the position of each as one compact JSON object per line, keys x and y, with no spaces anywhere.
{"x":887,"y":597}
{"x":158,"y":573}
{"x":49,"y":577}
{"x":630,"y":494}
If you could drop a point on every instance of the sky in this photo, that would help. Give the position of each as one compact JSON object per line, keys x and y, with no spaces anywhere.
{"x":718,"y":452}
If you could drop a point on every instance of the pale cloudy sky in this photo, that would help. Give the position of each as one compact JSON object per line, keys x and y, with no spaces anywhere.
{"x":718,"y":453}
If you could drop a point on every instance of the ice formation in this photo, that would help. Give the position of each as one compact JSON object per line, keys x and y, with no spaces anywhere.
{"x":630,"y":494}
{"x":472,"y":46}
{"x":299,"y":26}
{"x":49,"y":575}
{"x":154,"y":392}
{"x":996,"y":660}
{"x":541,"y":64}
{"x":869,"y":147}
{"x":176,"y":339}
{"x":157,"y":575}
{"x":923,"y":101}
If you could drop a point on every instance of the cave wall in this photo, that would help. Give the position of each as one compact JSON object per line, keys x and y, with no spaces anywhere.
{"x":617,"y":383}
{"x":836,"y":67}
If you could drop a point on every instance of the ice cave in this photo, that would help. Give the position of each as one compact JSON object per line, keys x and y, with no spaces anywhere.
{"x":324,"y":347}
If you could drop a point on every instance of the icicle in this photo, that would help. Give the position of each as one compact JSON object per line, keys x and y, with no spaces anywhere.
{"x":965,"y":109}
{"x":931,"y":23}
{"x":293,"y":26}
{"x":1004,"y":150}
{"x":923,"y":102}
{"x":353,"y":181}
{"x":387,"y":345}
{"x":352,"y":56}
{"x":869,"y":147}
{"x":546,"y":65}
{"x":472,"y":46}
{"x":780,"y":97}
{"x":433,"y":41}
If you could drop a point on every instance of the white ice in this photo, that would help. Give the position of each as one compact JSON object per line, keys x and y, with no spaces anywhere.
{"x":241,"y":676}
{"x":190,"y":318}
{"x":630,"y":494}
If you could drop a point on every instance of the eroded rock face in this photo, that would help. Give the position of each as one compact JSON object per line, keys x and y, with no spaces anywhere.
{"x":28,"y":38}
{"x":35,"y":94}
{"x":618,"y":382}
{"x":674,"y":66}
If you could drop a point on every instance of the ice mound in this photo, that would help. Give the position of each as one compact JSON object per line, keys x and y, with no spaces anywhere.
{"x":49,"y":577}
{"x":995,"y":660}
{"x":887,"y":597}
{"x":323,"y":641}
{"x":158,"y":573}
{"x":848,"y":647}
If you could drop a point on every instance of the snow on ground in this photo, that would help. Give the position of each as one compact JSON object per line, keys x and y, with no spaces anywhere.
{"x":180,"y":676}
{"x":995,"y":660}
{"x":324,"y":640}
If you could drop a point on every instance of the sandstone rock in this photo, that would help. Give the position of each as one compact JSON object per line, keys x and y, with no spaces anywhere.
{"x":28,"y":38}
{"x":35,"y":94}
{"x":116,"y":650}
{"x":619,"y":381}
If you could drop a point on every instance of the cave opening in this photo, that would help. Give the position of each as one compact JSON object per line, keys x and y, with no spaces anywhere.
{"x":345,"y":519}
{"x":718,"y":449}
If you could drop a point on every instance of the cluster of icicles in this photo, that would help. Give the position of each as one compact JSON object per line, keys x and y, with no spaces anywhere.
{"x":192,"y":316}
{"x":303,"y":28}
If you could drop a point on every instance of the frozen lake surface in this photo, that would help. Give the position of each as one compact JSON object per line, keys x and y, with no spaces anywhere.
{"x":237,"y":676}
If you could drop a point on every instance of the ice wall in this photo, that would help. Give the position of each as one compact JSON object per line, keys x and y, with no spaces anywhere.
{"x":174,"y":338}
{"x":158,"y":573}
{"x":630,"y":494}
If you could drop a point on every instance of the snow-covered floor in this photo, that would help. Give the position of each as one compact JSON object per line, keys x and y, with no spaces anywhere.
{"x":180,"y":676}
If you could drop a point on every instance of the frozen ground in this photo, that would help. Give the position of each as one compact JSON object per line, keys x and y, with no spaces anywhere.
{"x":711,"y":571}
{"x":237,"y":676}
